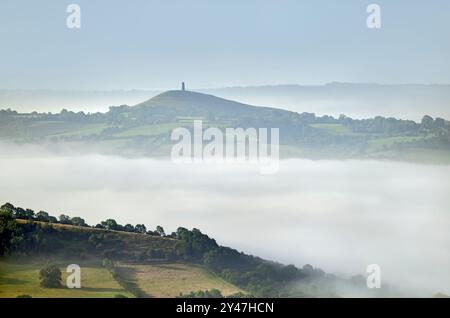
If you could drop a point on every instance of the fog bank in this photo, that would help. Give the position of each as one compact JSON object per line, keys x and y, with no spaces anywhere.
{"x":337,"y":215}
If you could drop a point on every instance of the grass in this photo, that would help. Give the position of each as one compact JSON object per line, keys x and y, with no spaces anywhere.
{"x":147,"y":130}
{"x":333,"y":128}
{"x":389,"y":141}
{"x":87,"y":130}
{"x":166,"y":128}
{"x":135,"y":275}
{"x":49,"y":128}
{"x":169,"y":280}
{"x":22,"y":278}
{"x":189,"y":119}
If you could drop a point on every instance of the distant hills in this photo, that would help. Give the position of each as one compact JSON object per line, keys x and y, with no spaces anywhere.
{"x":144,"y":129}
{"x":356,"y":100}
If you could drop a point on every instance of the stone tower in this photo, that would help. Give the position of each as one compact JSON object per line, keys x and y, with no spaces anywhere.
{"x":183,"y":86}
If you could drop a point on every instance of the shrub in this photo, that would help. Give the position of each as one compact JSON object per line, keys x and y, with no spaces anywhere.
{"x":50,"y":276}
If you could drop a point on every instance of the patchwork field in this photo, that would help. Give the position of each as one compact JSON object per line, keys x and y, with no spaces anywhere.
{"x":169,"y":280}
{"x":19,"y":277}
{"x":22,"y":278}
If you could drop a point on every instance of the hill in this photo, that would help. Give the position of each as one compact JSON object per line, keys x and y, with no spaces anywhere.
{"x":20,"y":276}
{"x":356,"y":100}
{"x":183,"y":102}
{"x":144,"y":264}
{"x":140,"y":262}
{"x":145,"y":129}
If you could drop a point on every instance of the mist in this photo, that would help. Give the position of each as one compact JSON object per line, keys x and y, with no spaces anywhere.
{"x":337,"y":215}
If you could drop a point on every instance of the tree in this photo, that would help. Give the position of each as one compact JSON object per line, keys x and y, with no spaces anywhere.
{"x":265,"y":270}
{"x":110,"y":224}
{"x":427,"y":122}
{"x":77,"y":221}
{"x":160,"y":231}
{"x":20,"y":213}
{"x":50,"y":276}
{"x":128,"y":228}
{"x":289,"y":272}
{"x":7,"y":207}
{"x":42,"y":216}
{"x":9,"y":232}
{"x":64,"y":219}
{"x":308,"y":270}
{"x":140,"y":228}
{"x":29,"y":214}
{"x":439,"y":122}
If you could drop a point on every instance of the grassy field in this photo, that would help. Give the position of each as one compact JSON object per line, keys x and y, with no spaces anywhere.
{"x":147,"y":130}
{"x":87,"y":130}
{"x":169,"y":280}
{"x":22,"y":278}
{"x":49,"y":128}
{"x":333,"y":128}
{"x":138,"y":275}
{"x":389,"y":141}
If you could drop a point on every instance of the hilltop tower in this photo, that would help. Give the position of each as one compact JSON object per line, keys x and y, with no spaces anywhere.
{"x":183,"y":86}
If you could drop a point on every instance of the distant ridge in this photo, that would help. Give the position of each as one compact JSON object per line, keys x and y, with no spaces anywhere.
{"x":174,"y":98}
{"x":357,"y":100}
{"x":190,"y":103}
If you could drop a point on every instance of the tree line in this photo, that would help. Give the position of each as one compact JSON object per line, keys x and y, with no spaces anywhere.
{"x":109,"y":224}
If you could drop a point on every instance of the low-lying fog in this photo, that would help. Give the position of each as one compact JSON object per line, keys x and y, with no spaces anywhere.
{"x":337,"y":215}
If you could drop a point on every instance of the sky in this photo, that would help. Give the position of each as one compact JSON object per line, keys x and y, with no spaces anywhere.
{"x":155,"y":44}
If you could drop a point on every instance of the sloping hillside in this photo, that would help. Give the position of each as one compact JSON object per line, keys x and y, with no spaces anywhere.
{"x":20,"y":276}
{"x":143,"y":264}
{"x":134,"y":256}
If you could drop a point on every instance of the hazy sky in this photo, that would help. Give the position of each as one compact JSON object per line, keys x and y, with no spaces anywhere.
{"x":155,"y":44}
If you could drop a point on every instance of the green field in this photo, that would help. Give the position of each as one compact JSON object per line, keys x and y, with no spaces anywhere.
{"x":169,"y":280}
{"x":147,"y":130}
{"x":333,"y":128}
{"x":136,"y":275}
{"x":19,"y":277}
{"x":47,"y":128}
{"x":86,"y":130}
{"x":389,"y":141}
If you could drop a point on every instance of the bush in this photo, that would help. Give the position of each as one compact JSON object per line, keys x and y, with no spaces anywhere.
{"x":213,"y":293}
{"x":50,"y":276}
